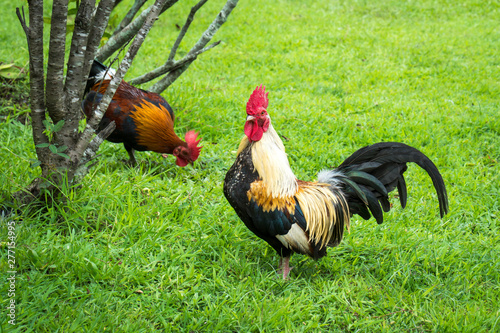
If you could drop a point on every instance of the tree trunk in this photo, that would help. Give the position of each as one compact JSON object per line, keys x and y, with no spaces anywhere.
{"x":63,"y":152}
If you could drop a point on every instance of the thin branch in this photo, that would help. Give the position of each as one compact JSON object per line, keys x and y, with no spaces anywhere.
{"x":91,"y":151}
{"x":22,"y":20}
{"x":34,"y":35}
{"x":184,"y":29}
{"x":221,"y":18}
{"x":113,"y":85}
{"x":97,"y":141}
{"x":130,"y":15}
{"x":83,"y":23}
{"x":121,"y":38}
{"x":170,"y":67}
{"x":99,"y":24}
{"x":36,"y":57}
{"x":54,"y":96}
{"x":216,"y":24}
{"x":93,"y":146}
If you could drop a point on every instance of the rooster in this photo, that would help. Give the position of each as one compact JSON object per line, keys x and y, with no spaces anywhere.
{"x":292,"y":215}
{"x":144,"y":120}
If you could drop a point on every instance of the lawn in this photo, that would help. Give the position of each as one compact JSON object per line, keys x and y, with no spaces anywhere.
{"x":157,"y":247}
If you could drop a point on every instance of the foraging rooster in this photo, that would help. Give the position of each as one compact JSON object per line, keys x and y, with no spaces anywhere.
{"x":307,"y":217}
{"x":144,"y":120}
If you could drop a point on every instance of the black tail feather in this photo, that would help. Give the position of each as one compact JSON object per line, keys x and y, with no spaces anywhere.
{"x":367,"y":179}
{"x":360,"y":209}
{"x":386,"y":205}
{"x":374,"y":205}
{"x":403,"y":194}
{"x":373,"y":171}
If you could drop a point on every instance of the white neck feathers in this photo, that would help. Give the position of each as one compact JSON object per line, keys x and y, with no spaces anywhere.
{"x":271,"y":162}
{"x":106,"y":74}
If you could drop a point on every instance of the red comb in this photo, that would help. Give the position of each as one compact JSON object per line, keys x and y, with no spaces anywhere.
{"x":194,"y":150}
{"x":258,"y":101}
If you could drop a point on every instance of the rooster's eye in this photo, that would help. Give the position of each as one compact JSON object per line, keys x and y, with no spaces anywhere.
{"x":263,"y":113}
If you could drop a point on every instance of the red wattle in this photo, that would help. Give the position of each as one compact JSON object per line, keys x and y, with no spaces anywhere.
{"x":253,"y":131}
{"x":181,"y":162}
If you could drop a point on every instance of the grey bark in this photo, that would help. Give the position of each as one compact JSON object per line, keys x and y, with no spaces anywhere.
{"x":34,"y":34}
{"x":83,"y":22}
{"x":99,"y":23}
{"x":91,"y":152}
{"x":55,"y":69}
{"x":75,"y":74}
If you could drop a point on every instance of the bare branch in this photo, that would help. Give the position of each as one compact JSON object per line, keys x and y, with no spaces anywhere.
{"x":96,"y":142}
{"x":221,"y":18}
{"x":113,"y":85}
{"x":216,"y":24}
{"x":121,"y":38}
{"x":22,"y":20}
{"x":93,"y":146}
{"x":34,"y":35}
{"x":99,"y":24}
{"x":54,"y":96}
{"x":130,"y":15}
{"x":83,"y":22}
{"x":90,"y":152}
{"x":184,"y":29}
{"x":170,"y":67}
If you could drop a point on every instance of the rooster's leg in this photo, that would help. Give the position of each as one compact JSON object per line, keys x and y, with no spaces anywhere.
{"x":284,"y":267}
{"x":131,"y":154}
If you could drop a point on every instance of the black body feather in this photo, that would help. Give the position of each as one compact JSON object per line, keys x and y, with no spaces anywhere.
{"x":264,"y":225}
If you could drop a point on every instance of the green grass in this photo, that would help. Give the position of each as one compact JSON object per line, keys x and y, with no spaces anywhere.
{"x":158,"y":247}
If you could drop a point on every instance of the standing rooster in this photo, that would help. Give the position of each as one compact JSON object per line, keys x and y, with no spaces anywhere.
{"x":307,"y":217}
{"x":144,"y":120}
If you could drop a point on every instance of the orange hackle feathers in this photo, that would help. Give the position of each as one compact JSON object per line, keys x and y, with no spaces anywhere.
{"x":260,"y":194}
{"x":155,"y":128}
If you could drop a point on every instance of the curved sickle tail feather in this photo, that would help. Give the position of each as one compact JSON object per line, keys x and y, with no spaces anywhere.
{"x":372,"y":172}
